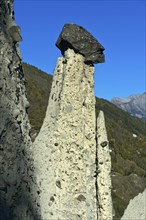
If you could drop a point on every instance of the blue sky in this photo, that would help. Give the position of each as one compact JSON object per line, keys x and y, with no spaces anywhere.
{"x":118,"y":25}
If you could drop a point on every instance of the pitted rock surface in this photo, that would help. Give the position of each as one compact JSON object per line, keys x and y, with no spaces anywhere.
{"x":16,"y":167}
{"x":65,"y":149}
{"x":104,"y":171}
{"x":55,"y":178}
{"x":82,"y":42}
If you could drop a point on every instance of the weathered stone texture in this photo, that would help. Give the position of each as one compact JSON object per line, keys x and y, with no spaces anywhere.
{"x":56,"y":177}
{"x":68,"y":146}
{"x":104,"y":171}
{"x":81,"y":41}
{"x":15,"y":143}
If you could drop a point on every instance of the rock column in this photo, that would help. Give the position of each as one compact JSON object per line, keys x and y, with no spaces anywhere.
{"x":104,"y":171}
{"x":65,"y":151}
{"x":56,"y":177}
{"x":68,"y":149}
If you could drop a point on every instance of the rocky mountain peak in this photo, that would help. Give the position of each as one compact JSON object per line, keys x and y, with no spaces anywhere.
{"x":134,"y":104}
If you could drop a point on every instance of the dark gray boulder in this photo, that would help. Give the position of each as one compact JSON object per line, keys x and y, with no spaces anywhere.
{"x":81,"y":41}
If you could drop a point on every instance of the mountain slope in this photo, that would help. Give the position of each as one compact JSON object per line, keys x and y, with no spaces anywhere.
{"x":126,"y":136}
{"x":134,"y":104}
{"x":38,"y":86}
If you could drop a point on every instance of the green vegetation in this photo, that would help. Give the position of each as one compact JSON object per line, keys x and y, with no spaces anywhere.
{"x":128,"y":152}
{"x":38,"y":86}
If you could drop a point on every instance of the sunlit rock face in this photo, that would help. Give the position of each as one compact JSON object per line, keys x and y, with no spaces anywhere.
{"x":65,"y":151}
{"x":136,"y":208}
{"x":104,"y":171}
{"x":56,"y":177}
{"x":66,"y":158}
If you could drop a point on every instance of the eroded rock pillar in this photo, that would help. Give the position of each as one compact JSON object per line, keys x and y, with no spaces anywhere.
{"x":65,"y":151}
{"x":104,"y":171}
{"x":68,"y":151}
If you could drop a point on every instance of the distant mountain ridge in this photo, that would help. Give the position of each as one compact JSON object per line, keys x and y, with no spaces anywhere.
{"x":134,"y":104}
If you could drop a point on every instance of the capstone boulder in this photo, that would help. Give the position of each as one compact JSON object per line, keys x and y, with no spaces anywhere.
{"x":81,"y":41}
